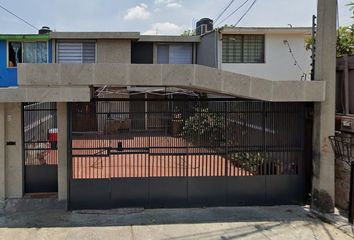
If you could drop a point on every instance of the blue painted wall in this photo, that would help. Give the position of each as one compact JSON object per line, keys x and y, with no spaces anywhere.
{"x":8,"y":76}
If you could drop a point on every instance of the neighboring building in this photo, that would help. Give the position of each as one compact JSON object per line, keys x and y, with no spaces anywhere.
{"x":121,"y":120}
{"x":258,"y":52}
{"x":15,"y":49}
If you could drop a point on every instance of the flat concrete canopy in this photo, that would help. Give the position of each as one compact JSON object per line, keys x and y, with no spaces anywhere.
{"x":266,"y":30}
{"x":45,"y":94}
{"x":171,"y":39}
{"x":94,"y":35}
{"x":81,"y":76}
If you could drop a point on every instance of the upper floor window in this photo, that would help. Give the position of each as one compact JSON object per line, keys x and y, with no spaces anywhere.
{"x":76,"y":52}
{"x":175,"y":54}
{"x":243,"y":49}
{"x":27,"y":52}
{"x":142,"y":53}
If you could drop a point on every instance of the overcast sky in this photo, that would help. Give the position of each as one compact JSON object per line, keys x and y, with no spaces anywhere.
{"x":153,"y":16}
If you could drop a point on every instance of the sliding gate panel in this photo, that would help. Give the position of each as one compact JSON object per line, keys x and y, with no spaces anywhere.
{"x":189,"y":153}
{"x":40,"y":147}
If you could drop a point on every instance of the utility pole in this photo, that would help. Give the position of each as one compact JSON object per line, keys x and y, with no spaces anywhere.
{"x":324,"y":112}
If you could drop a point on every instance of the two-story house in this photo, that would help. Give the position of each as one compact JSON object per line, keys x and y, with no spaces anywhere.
{"x":270,"y":53}
{"x":119,"y":119}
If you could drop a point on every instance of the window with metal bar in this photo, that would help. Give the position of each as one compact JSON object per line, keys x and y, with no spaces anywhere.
{"x":243,"y":49}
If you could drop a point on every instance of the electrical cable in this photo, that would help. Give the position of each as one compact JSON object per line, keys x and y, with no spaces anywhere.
{"x":233,"y":12}
{"x":296,"y":63}
{"x":222,"y":12}
{"x":29,"y":24}
{"x":247,"y":11}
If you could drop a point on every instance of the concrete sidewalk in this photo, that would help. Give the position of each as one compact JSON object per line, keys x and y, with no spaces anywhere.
{"x":285,"y":222}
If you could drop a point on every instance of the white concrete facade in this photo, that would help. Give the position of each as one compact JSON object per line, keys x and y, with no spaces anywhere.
{"x":279,"y":63}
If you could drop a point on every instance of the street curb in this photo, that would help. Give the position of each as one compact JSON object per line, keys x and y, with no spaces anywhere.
{"x":337,"y":220}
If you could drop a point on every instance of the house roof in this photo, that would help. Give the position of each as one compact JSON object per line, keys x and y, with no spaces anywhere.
{"x":266,"y":30}
{"x":24,"y":37}
{"x":123,"y":35}
{"x":162,"y":38}
{"x":94,"y":35}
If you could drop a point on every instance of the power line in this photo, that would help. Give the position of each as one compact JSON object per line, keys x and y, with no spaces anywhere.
{"x":225,"y":9}
{"x":250,"y":7}
{"x":233,"y":12}
{"x":296,"y":63}
{"x":29,"y":24}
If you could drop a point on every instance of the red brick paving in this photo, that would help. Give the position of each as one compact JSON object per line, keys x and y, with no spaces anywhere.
{"x":203,"y":162}
{"x":161,"y":162}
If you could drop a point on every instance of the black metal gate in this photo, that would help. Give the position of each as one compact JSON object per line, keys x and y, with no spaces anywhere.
{"x":40,"y":147}
{"x":185,"y":153}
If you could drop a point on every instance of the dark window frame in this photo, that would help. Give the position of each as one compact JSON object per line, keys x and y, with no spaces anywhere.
{"x":22,"y":51}
{"x":232,"y":60}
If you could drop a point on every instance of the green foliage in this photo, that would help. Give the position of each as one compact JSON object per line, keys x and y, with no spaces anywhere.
{"x":188,"y":33}
{"x":251,"y":161}
{"x":204,"y":128}
{"x":309,"y":43}
{"x":351,"y":5}
{"x":345,"y":41}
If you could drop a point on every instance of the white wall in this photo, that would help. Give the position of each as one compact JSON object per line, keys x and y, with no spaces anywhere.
{"x":279,"y":65}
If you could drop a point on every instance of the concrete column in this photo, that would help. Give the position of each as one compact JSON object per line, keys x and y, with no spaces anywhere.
{"x":2,"y":154}
{"x":13,"y":151}
{"x":324,"y":118}
{"x":154,"y":53}
{"x":62,"y":113}
{"x":54,"y":46}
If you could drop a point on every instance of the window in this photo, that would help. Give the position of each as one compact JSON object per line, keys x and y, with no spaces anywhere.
{"x":243,"y":49}
{"x":27,"y":52}
{"x":175,"y":54}
{"x":14,"y":54}
{"x":76,"y":52}
{"x":142,"y":53}
{"x":35,"y":52}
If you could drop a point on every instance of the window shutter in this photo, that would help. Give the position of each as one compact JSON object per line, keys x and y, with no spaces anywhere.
{"x":180,"y":54}
{"x":76,"y":52}
{"x":89,"y":52}
{"x":162,"y":54}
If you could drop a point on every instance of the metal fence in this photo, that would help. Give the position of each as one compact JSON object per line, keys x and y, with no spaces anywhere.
{"x":40,"y":147}
{"x":186,"y":152}
{"x":168,"y":138}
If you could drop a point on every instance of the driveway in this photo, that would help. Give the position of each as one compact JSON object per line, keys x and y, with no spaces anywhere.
{"x":285,"y":222}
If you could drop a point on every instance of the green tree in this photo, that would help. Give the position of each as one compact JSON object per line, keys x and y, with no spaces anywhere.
{"x":345,"y":41}
{"x":345,"y":38}
{"x":351,"y":5}
{"x":188,"y":32}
